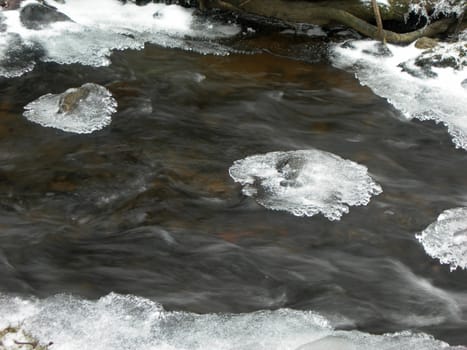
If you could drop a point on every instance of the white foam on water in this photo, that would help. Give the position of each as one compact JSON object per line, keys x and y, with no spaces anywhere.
{"x":100,"y":27}
{"x":446,"y":239}
{"x":438,"y":95}
{"x":305,"y":182}
{"x":92,"y":113}
{"x":133,"y":323}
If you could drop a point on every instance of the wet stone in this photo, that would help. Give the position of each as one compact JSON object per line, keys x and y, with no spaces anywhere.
{"x":37,"y":16}
{"x":379,"y":50}
{"x":426,"y":43}
{"x":72,"y":97}
{"x":418,"y":72}
{"x":455,"y":58}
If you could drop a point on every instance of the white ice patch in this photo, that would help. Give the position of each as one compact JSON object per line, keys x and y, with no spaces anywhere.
{"x":14,"y":57}
{"x":305,"y":183}
{"x":446,"y":239}
{"x":439,"y":96}
{"x":438,"y":7}
{"x":134,"y":323}
{"x":100,"y":27}
{"x":92,"y":112}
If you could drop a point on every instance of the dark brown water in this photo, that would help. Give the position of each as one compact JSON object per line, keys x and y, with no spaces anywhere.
{"x":146,"y":206}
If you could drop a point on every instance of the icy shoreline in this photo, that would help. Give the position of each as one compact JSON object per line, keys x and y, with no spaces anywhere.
{"x":129,"y":322}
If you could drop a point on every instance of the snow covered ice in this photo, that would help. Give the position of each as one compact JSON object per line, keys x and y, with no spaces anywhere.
{"x":129,"y":322}
{"x":92,"y":111}
{"x":100,"y":27}
{"x":446,"y":239}
{"x":305,"y":183}
{"x":436,"y":93}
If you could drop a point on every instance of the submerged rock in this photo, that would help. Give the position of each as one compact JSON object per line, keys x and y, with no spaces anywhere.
{"x":38,"y":16}
{"x":80,"y":110}
{"x":305,"y":183}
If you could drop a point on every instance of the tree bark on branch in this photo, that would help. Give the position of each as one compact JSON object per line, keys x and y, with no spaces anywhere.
{"x":352,"y":13}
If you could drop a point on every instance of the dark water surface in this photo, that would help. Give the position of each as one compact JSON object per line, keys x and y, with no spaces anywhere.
{"x":146,"y":206}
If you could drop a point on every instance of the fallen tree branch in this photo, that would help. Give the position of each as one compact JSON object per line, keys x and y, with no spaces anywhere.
{"x":298,"y":12}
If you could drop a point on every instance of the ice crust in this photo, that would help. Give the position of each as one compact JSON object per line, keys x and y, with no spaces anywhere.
{"x":16,"y":57}
{"x":438,"y":7}
{"x":446,"y":239}
{"x":305,"y":182}
{"x":436,"y":93}
{"x":100,"y":27}
{"x":129,"y":322}
{"x":92,"y":113}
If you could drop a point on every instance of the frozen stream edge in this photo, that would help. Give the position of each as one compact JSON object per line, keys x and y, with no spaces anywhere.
{"x":128,"y":322}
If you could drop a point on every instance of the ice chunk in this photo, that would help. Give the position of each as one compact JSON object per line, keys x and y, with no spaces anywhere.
{"x":16,"y":57}
{"x":446,"y":239}
{"x":330,"y":342}
{"x":129,"y":322}
{"x":80,"y":110}
{"x":340,"y":340}
{"x":426,"y":93}
{"x":305,"y":183}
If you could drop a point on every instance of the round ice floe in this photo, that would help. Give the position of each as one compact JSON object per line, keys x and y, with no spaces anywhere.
{"x":305,"y":183}
{"x":446,"y":239}
{"x":80,"y":110}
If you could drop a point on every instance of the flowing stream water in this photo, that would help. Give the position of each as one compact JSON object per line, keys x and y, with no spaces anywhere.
{"x":138,"y":231}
